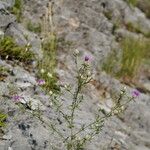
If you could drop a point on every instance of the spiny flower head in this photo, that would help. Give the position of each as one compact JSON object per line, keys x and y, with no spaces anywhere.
{"x":16,"y":98}
{"x":41,"y":82}
{"x":86,"y":58}
{"x":135,"y":93}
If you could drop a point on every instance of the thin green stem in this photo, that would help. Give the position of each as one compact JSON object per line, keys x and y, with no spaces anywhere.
{"x":102,"y":118}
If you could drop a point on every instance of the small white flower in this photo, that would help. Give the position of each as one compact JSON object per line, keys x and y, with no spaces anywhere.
{"x":122,"y":108}
{"x":121,"y":92}
{"x":78,"y":138}
{"x":26,"y":49}
{"x":87,"y":137}
{"x":28,"y":44}
{"x":76,"y":51}
{"x":49,"y":75}
{"x":65,"y":86}
{"x":42,"y":71}
{"x":97,"y":125}
{"x":50,"y":92}
{"x":89,"y":73}
{"x":7,"y":57}
{"x":125,"y":88}
{"x":116,"y":112}
{"x":82,"y":77}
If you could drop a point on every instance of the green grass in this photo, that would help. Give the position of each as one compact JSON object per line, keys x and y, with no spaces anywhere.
{"x":132,"y":2}
{"x":131,"y":27}
{"x":108,"y":15}
{"x":3,"y":73}
{"x":132,"y":57}
{"x":17,"y":9}
{"x":144,"y":5}
{"x":3,"y":117}
{"x":134,"y":53}
{"x":110,"y":63}
{"x":10,"y":50}
{"x":3,"y":69}
{"x":33,"y":27}
{"x":116,"y":25}
{"x":48,"y":64}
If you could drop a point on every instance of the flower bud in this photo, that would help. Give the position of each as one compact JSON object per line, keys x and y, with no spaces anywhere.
{"x":86,"y":58}
{"x":50,"y":92}
{"x":76,"y":51}
{"x":49,"y":75}
{"x":42,"y":70}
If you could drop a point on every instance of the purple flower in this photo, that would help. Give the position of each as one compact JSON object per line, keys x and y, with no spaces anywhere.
{"x":16,"y":98}
{"x":41,"y":82}
{"x":86,"y":58}
{"x":135,"y":93}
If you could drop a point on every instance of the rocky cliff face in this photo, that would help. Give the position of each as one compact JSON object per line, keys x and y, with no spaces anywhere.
{"x":90,"y":27}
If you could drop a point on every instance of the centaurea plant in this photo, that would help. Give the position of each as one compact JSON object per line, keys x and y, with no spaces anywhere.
{"x":76,"y":137}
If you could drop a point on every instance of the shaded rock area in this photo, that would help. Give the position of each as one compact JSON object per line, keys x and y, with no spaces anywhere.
{"x":89,"y":26}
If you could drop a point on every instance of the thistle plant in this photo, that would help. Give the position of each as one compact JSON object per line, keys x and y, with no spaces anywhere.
{"x":76,"y":137}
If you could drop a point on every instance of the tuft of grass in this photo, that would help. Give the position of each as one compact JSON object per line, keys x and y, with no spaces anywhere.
{"x":144,"y":5}
{"x":10,"y":50}
{"x":33,"y":27}
{"x":17,"y":9}
{"x":132,"y":2}
{"x":110,"y":63}
{"x":108,"y":15}
{"x":3,"y":69}
{"x":116,"y":25}
{"x":3,"y":118}
{"x":134,"y":53}
{"x":3,"y":73}
{"x":131,"y":27}
{"x":48,"y":64}
{"x":132,"y":57}
{"x":49,"y":46}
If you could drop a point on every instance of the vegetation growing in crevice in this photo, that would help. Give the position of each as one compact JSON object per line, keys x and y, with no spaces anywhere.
{"x":133,"y":28}
{"x":116,"y":25}
{"x":3,"y":118}
{"x":3,"y":73}
{"x":132,"y":2}
{"x":111,"y":63}
{"x":46,"y":66}
{"x":108,"y":14}
{"x":3,"y":69}
{"x":17,"y":9}
{"x":144,"y":5}
{"x":132,"y":57}
{"x":10,"y":50}
{"x":134,"y":52}
{"x":33,"y":27}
